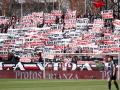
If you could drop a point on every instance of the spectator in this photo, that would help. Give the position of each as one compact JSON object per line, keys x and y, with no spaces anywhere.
{"x":40,"y":57}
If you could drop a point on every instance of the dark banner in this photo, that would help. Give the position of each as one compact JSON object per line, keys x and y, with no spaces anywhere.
{"x":83,"y":65}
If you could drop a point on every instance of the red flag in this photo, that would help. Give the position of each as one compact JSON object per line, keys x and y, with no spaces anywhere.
{"x":99,"y":4}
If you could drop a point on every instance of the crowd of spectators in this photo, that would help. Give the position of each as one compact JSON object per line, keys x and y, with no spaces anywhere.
{"x":86,"y":37}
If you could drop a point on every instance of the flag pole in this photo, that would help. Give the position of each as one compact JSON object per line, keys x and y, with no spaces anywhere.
{"x":85,"y":6}
{"x":21,"y":10}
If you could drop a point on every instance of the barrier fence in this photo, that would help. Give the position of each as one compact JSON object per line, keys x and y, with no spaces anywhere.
{"x":87,"y":64}
{"x":61,"y":66}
